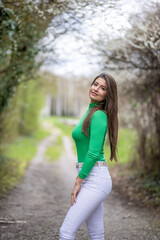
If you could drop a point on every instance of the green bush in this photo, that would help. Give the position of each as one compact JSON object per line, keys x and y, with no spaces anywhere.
{"x":22,"y":114}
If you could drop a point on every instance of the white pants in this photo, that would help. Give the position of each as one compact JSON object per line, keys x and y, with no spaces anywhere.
{"x":89,"y":205}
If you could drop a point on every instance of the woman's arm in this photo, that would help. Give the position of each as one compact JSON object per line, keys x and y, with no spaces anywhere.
{"x":98,"y":129}
{"x":76,"y":189}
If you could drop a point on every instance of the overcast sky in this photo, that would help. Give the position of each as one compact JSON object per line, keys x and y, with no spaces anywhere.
{"x":72,"y":53}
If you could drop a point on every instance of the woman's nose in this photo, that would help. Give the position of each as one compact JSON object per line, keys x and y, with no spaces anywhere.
{"x":96,"y":88}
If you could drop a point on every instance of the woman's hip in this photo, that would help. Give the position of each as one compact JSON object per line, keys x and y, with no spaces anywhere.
{"x":99,"y":179}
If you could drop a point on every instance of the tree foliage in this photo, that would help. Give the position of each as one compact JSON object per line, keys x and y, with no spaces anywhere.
{"x":22,"y":26}
{"x":19,"y":46}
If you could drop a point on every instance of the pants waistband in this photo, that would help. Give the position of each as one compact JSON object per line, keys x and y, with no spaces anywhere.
{"x":98,"y":163}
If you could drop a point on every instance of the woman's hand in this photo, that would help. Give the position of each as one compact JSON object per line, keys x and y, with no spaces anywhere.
{"x":76,"y":189}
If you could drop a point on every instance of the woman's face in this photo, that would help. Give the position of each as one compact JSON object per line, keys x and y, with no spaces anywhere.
{"x":98,"y":90}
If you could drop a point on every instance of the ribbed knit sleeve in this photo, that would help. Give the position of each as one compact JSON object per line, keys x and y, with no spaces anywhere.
{"x":98,"y":129}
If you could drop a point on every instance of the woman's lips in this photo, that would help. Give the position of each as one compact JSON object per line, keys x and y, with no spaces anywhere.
{"x":94,"y":94}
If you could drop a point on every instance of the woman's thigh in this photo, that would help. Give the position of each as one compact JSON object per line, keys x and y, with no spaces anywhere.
{"x":86,"y":203}
{"x":95,"y":224}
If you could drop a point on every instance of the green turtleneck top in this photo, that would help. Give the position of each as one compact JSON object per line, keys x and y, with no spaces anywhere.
{"x":90,"y":149}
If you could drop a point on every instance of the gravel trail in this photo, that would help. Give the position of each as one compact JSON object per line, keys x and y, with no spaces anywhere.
{"x":35,"y":208}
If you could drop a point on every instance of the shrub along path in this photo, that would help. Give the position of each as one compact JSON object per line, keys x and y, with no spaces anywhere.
{"x":35,"y":209}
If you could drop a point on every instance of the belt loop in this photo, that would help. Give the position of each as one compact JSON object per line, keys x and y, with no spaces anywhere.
{"x":99,"y":164}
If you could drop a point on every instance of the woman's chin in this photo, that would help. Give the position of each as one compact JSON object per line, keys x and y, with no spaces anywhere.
{"x":93,"y":97}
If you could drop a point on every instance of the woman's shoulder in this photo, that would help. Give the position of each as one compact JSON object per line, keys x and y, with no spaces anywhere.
{"x":99,"y":115}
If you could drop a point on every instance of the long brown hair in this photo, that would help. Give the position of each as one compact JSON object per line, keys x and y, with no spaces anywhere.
{"x":110,"y":107}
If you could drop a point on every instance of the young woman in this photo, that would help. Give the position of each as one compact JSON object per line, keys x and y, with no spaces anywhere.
{"x":93,"y":183}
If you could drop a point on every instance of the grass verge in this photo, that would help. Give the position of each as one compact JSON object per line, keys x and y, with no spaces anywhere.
{"x":126,"y":139}
{"x":65,"y":128}
{"x":15,"y":157}
{"x":54,"y":151}
{"x":59,"y":122}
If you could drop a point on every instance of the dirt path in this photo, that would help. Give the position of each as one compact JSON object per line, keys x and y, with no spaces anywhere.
{"x":35,"y":209}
